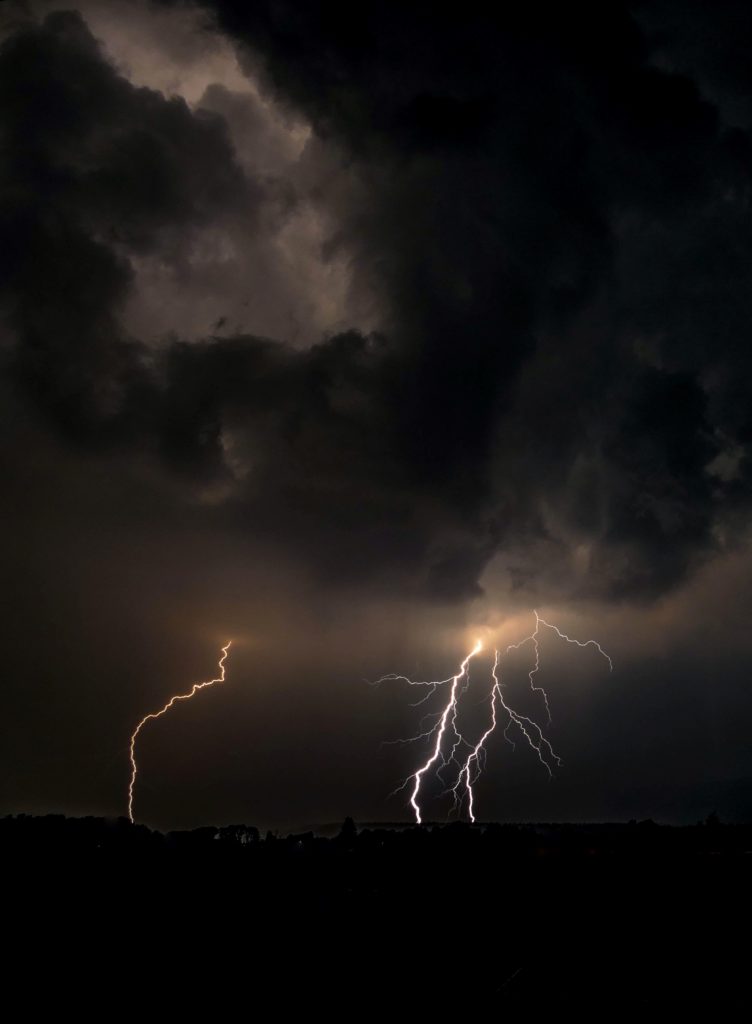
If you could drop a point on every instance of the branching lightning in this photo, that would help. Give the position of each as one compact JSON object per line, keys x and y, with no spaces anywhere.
{"x":471,"y":761}
{"x":158,"y":714}
{"x":449,"y":715}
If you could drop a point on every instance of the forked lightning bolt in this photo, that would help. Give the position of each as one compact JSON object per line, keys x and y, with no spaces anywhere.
{"x":158,"y":714}
{"x":472,"y":760}
{"x":450,"y":712}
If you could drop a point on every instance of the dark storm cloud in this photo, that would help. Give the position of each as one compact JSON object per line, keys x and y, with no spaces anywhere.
{"x":561,"y":227}
{"x":94,"y":170}
{"x":710,"y":44}
{"x":557,"y":227}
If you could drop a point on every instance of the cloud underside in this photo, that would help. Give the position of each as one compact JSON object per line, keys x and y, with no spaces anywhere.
{"x":550,"y":228}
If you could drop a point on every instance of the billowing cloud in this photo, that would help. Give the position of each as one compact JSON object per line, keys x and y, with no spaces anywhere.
{"x":349,"y":329}
{"x":554,"y":232}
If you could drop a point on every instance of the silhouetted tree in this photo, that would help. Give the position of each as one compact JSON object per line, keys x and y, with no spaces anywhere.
{"x":348,"y":834}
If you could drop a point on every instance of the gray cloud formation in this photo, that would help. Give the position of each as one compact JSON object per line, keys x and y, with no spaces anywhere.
{"x":553,"y":227}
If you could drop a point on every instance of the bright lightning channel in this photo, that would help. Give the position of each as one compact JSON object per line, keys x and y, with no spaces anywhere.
{"x":470,"y":769}
{"x":449,"y":711}
{"x":158,"y":714}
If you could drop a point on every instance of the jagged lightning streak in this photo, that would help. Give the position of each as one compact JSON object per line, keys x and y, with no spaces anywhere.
{"x":537,"y":742}
{"x":158,"y":714}
{"x":470,"y":770}
{"x":451,"y":708}
{"x":448,"y":715}
{"x":579,"y":643}
{"x":536,"y":667}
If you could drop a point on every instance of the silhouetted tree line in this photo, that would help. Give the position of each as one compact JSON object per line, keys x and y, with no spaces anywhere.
{"x":584,"y":911}
{"x":58,"y":834}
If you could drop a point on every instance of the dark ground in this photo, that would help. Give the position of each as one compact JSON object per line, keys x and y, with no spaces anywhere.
{"x":104,"y":917}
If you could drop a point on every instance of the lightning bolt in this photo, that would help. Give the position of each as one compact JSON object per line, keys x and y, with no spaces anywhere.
{"x":529,"y":729}
{"x":158,"y":714}
{"x":469,"y":770}
{"x":449,"y":715}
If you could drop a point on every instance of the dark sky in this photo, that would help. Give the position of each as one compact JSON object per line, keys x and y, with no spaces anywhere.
{"x":353,"y":332}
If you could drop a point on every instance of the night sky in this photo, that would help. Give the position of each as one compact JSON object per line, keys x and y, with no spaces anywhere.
{"x":353,"y":332}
